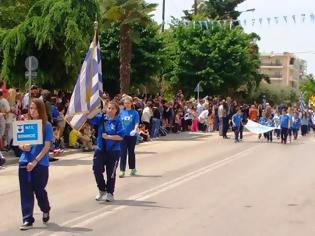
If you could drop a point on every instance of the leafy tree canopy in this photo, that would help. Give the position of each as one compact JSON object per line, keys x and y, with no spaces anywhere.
{"x":216,"y":9}
{"x":146,"y":58}
{"x":57,"y":32}
{"x":308,"y":87}
{"x":220,"y":58}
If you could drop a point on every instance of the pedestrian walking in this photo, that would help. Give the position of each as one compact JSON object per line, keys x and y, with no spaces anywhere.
{"x":107,"y":152}
{"x":284,"y":126}
{"x":296,"y":124}
{"x":33,"y":169}
{"x":236,"y":124}
{"x":130,"y":121}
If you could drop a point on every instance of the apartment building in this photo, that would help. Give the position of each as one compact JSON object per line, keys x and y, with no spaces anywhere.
{"x":283,"y":69}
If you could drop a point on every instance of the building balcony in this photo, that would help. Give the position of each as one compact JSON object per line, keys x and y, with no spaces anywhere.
{"x":271,"y":65}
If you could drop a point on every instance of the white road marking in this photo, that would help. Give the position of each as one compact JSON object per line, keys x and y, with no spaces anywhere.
{"x":101,"y":213}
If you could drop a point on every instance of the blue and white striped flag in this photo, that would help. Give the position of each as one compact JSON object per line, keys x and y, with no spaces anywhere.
{"x":88,"y":89}
{"x":302,"y":102}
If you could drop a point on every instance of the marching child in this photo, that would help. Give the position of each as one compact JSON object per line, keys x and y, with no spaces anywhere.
{"x":296,"y":124}
{"x":236,"y":121}
{"x":284,"y":126}
{"x":269,"y":123}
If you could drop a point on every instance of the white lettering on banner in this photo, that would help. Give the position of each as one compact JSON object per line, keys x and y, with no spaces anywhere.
{"x":258,"y":128}
{"x":20,"y":136}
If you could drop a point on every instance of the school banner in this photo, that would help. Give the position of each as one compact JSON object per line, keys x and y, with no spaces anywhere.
{"x":256,"y":128}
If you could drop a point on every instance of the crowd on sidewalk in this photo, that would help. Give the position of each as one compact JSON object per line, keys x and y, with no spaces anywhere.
{"x":158,"y":117}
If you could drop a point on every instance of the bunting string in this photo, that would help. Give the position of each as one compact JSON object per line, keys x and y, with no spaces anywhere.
{"x":292,"y":19}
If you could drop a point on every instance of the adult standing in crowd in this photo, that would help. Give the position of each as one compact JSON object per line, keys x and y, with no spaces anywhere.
{"x":4,"y":110}
{"x":130,"y":121}
{"x":33,"y":169}
{"x":147,"y":115}
{"x":11,"y":116}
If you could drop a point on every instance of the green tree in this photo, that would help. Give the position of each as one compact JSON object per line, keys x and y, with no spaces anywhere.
{"x":222,"y":59}
{"x":126,"y":13}
{"x":13,"y":12}
{"x":58,"y":33}
{"x":308,"y":87}
{"x":146,"y":58}
{"x":216,"y":9}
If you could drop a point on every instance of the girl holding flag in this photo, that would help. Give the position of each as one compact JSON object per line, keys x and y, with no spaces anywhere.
{"x":107,"y":152}
{"x":33,"y":169}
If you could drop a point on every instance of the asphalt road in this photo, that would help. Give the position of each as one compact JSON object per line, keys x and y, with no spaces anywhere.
{"x":191,"y":186}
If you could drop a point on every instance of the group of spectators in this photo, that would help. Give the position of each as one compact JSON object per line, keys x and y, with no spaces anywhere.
{"x":158,"y":116}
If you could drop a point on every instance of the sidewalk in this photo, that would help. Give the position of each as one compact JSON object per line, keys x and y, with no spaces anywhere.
{"x":11,"y":159}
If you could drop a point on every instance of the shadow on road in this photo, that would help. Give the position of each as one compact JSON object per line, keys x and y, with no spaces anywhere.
{"x":53,"y":227}
{"x":294,"y":143}
{"x":134,"y":203}
{"x":146,"y":153}
{"x":78,"y":162}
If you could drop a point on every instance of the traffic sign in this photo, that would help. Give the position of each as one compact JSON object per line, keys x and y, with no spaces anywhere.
{"x":32,"y":74}
{"x":31,"y":63}
{"x":198,"y":88}
{"x":27,"y":132}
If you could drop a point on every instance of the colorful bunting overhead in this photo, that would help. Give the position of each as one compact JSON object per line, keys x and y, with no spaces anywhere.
{"x":245,"y":22}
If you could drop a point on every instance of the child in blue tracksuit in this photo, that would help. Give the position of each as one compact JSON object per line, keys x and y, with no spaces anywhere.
{"x":33,"y":169}
{"x":236,"y":121}
{"x":296,"y":124}
{"x":270,"y":123}
{"x":107,"y":152}
{"x":263,"y":121}
{"x":130,"y":121}
{"x":284,"y":125}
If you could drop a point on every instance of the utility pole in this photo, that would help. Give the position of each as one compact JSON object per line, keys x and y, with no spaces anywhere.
{"x":163,"y":16}
{"x":195,"y":7}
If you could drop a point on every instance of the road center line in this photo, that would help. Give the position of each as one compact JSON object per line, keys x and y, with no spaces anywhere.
{"x":99,"y":213}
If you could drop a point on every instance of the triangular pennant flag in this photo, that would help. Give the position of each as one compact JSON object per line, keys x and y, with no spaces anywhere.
{"x":294,"y":18}
{"x":277,"y":20}
{"x":253,"y":22}
{"x":260,"y":20}
{"x":268,"y":19}
{"x":303,"y":17}
{"x":285,"y":19}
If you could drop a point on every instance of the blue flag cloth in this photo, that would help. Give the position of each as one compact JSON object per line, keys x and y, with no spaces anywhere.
{"x":88,"y":89}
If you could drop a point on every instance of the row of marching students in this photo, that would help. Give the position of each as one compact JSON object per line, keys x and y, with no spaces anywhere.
{"x":115,"y":140}
{"x":287,"y":123}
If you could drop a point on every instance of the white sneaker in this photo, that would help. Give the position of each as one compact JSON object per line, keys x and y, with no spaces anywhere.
{"x":109,"y":197}
{"x":101,"y":196}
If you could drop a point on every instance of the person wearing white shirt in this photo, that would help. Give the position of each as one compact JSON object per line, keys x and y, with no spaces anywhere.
{"x":203,"y":120}
{"x":200,"y":106}
{"x":4,"y":110}
{"x":147,"y":114}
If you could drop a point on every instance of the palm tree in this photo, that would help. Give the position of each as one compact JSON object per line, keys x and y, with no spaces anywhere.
{"x":126,"y":13}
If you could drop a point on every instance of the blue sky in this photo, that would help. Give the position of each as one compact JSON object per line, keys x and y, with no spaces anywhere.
{"x":293,"y":37}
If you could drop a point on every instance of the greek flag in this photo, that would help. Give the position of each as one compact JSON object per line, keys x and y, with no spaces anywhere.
{"x":302,"y":102}
{"x":88,"y":89}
